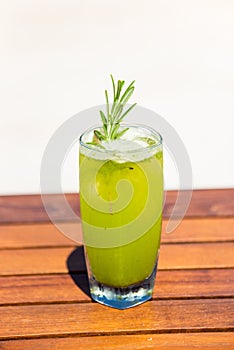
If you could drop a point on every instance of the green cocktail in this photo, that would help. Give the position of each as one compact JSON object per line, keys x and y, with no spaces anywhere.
{"x":121,"y":197}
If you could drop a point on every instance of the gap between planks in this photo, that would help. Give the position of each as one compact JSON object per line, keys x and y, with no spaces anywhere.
{"x":88,"y":319}
{"x":180,"y":341}
{"x":74,"y":288}
{"x":62,"y":260}
{"x":29,"y":208}
{"x":47,"y":235}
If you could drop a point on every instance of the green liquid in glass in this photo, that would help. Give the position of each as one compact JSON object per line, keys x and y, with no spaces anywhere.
{"x":121,"y":209}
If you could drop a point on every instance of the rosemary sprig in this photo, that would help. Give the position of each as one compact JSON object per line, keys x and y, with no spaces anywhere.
{"x":115,"y":112}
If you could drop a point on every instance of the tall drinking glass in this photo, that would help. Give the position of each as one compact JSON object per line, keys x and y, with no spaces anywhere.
{"x":121,"y":199}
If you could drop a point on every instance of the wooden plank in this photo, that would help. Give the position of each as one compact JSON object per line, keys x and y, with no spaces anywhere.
{"x":35,"y":235}
{"x":200,"y":230}
{"x":178,"y":341}
{"x":40,"y":261}
{"x":194,"y":283}
{"x":209,"y":202}
{"x":92,"y":319}
{"x":44,"y":289}
{"x":47,"y":235}
{"x":29,"y":208}
{"x":172,"y":256}
{"x":196,"y":256}
{"x":66,"y":288}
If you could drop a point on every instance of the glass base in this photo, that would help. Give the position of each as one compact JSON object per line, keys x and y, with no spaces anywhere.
{"x":123,"y":297}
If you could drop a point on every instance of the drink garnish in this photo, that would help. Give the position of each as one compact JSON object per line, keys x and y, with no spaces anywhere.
{"x":115,"y":113}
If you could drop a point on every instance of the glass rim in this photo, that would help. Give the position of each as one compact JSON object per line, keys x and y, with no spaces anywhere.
{"x":140,"y":149}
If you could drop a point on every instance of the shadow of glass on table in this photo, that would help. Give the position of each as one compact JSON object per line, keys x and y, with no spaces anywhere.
{"x":77,"y":269}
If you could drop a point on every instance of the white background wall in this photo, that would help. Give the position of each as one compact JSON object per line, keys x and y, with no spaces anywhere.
{"x":55,"y":60}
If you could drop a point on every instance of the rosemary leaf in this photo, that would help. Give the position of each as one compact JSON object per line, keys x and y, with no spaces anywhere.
{"x":99,"y":135}
{"x":121,"y":133}
{"x":127,"y":111}
{"x":130,"y":87}
{"x":113,"y":85}
{"x":104,"y":121}
{"x":115,"y":112}
{"x":127,"y":96}
{"x":118,"y":112}
{"x":107,"y":105}
{"x":114,"y":131}
{"x":95,"y":144}
{"x":119,"y":88}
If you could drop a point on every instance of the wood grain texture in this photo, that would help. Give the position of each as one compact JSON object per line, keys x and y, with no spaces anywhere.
{"x":44,"y":296}
{"x":172,"y":256}
{"x":196,"y":256}
{"x":39,"y":261}
{"x":29,"y":208}
{"x":66,"y":288}
{"x":34,"y":235}
{"x":212,"y":203}
{"x":200,"y":230}
{"x":178,"y":341}
{"x":90,"y":318}
{"x":47,"y":235}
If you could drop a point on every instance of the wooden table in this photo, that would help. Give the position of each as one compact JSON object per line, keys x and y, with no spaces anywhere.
{"x":43,"y":283}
